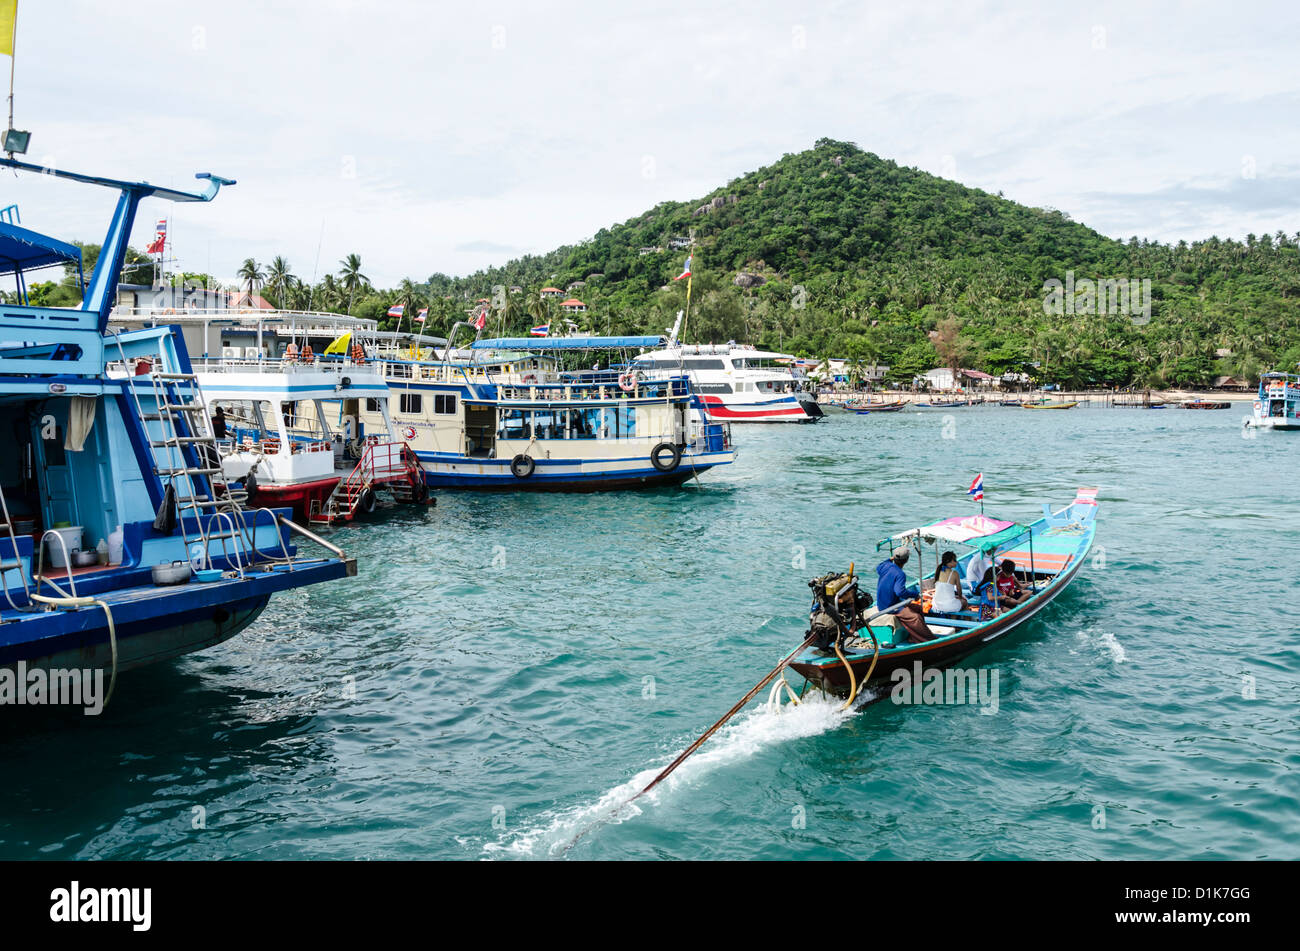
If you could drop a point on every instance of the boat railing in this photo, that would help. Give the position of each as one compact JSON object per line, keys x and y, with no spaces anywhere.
{"x":581,"y":392}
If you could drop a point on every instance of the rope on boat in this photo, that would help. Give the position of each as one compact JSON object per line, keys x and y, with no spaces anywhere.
{"x":68,"y":601}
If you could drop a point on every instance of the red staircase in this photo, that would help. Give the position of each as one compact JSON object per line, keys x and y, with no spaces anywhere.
{"x":392,"y":464}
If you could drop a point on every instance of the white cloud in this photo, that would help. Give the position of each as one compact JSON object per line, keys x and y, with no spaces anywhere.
{"x":472,"y":130}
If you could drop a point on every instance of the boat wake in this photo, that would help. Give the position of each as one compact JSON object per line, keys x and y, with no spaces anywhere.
{"x":751,"y":732}
{"x":1107,"y":641}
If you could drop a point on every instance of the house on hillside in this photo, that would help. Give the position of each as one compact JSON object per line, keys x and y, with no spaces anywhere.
{"x":573,"y":306}
{"x":551,"y":292}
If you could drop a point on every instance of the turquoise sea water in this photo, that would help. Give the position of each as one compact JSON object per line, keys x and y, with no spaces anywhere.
{"x":505,"y":666}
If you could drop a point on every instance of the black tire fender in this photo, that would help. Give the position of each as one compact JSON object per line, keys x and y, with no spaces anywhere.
{"x":522,"y":466}
{"x":366,"y":504}
{"x":673,"y":462}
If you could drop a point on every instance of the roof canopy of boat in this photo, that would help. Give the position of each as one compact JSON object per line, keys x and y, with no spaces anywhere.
{"x":24,"y":250}
{"x":974,"y":531}
{"x":738,"y":350}
{"x":567,"y":343}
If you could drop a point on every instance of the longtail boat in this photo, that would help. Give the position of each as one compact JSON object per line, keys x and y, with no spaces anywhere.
{"x":1048,"y":554}
{"x":1048,"y":405}
{"x":865,"y":409}
{"x":1206,"y":404}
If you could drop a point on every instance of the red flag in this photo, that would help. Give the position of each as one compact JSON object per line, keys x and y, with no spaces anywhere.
{"x":157,"y":246}
{"x":481,"y":320}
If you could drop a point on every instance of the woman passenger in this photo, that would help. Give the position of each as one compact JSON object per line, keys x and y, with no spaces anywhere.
{"x":947,"y":586}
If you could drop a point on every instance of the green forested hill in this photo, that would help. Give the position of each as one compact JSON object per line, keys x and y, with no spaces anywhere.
{"x":845,"y":254}
{"x":835,"y":252}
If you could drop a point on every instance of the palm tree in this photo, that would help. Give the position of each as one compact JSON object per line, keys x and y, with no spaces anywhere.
{"x":279,"y":279}
{"x":410,"y":299}
{"x":351,"y":278}
{"x":250,"y":272}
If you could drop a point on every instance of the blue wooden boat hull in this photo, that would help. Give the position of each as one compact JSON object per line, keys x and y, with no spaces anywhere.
{"x":562,"y":475}
{"x":152,"y":623}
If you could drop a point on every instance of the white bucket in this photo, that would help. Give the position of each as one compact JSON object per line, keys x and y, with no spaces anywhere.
{"x":58,"y":554}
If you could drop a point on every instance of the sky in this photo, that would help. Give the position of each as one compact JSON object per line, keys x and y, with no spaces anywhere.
{"x":436,"y":137}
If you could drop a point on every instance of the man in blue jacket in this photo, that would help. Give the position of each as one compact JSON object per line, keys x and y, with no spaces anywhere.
{"x":892,"y":586}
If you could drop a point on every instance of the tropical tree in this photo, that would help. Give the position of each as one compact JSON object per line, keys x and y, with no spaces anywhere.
{"x":351,"y":278}
{"x":279,"y":279}
{"x":250,"y":272}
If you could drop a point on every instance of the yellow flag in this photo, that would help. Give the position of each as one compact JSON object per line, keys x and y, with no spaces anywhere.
{"x":338,"y":346}
{"x":8,"y":14}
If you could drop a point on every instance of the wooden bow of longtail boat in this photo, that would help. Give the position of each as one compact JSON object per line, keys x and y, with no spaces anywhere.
{"x":1049,"y":553}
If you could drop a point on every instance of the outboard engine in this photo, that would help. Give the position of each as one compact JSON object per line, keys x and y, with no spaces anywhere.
{"x":837,"y":609}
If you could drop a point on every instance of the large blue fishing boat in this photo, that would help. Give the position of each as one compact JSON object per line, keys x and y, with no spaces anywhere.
{"x":121,"y":543}
{"x":506,"y":414}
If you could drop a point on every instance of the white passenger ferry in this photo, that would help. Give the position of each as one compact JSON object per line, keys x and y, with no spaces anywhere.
{"x":736,"y":383}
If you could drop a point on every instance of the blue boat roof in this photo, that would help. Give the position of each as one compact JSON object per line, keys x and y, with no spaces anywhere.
{"x":23,"y":250}
{"x":567,"y":343}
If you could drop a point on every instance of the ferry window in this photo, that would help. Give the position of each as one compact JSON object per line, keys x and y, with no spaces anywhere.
{"x":626,"y":421}
{"x":513,"y":424}
{"x":410,"y":402}
{"x":587,"y":423}
{"x":372,"y":405}
{"x":713,"y":387}
{"x":550,"y":425}
{"x":705,"y":365}
{"x":445,"y":404}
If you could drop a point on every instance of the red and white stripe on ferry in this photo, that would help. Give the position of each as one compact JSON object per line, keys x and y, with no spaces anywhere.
{"x":720,"y":410}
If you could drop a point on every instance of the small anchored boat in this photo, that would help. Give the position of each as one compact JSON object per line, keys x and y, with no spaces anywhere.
{"x":1048,"y":405}
{"x":869,"y":647}
{"x":1277,"y":404}
{"x":865,"y":409}
{"x":1206,"y":404}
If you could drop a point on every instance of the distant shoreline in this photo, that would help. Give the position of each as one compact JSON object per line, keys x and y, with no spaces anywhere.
{"x":1067,"y":396}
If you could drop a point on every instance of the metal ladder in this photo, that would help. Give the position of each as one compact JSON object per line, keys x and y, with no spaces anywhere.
{"x":16,"y":564}
{"x":189,"y":458}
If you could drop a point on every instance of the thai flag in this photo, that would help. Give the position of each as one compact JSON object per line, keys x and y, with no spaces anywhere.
{"x":161,"y":228}
{"x":395,"y":310}
{"x":976,"y":490}
{"x":686,"y":271}
{"x":424,"y":312}
{"x":541,"y":330}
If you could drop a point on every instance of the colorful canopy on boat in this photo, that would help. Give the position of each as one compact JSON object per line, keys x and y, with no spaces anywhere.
{"x":976,"y":531}
{"x":568,"y":343}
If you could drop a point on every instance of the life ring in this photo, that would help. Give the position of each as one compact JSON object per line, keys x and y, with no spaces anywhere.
{"x":627,"y":381}
{"x":674,"y":461}
{"x":528,"y":378}
{"x":522,"y":466}
{"x":408,"y":433}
